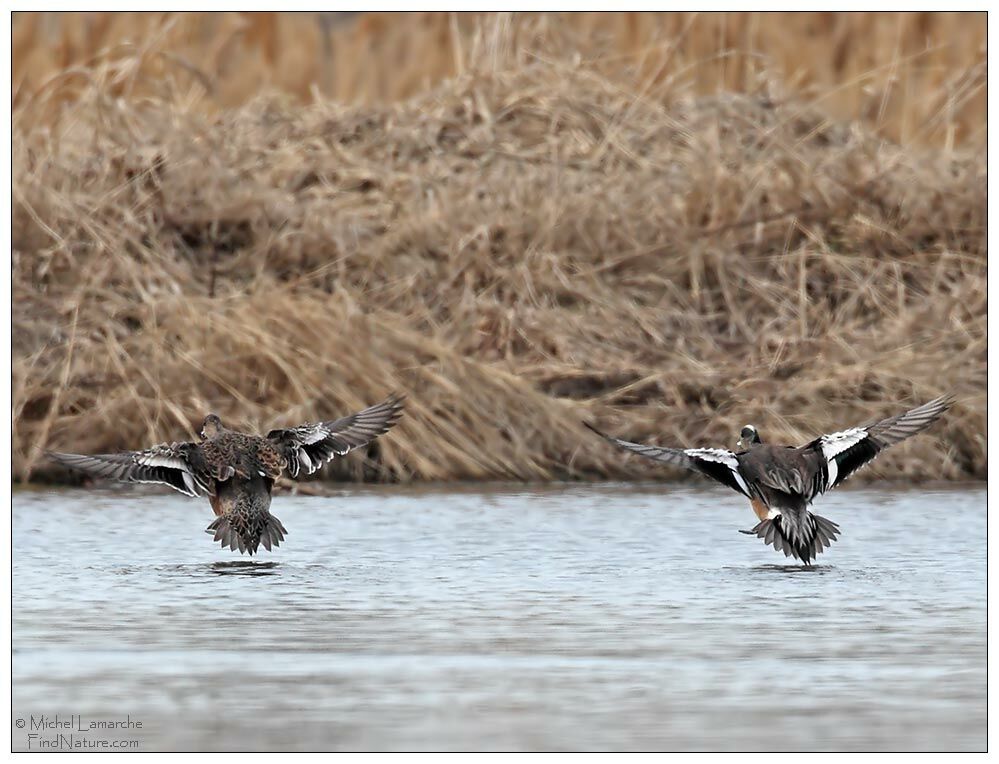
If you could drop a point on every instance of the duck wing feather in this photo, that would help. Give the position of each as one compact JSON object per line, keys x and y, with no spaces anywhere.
{"x":838,"y":455}
{"x":716,"y":463}
{"x":178,"y":465}
{"x":311,"y":445}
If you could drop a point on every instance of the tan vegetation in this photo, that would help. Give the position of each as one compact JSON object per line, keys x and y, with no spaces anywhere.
{"x":913,"y":77}
{"x":532,"y":243}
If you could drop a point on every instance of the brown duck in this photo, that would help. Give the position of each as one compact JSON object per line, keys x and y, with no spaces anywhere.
{"x":781,"y":481}
{"x":237,"y":471}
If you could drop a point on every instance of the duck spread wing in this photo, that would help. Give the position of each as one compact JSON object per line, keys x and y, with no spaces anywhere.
{"x":178,"y":465}
{"x":840,"y":454}
{"x":309,"y":446}
{"x":716,"y":463}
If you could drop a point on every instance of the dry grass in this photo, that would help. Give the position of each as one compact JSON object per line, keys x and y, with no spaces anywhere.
{"x":529,"y":245}
{"x":913,"y":77}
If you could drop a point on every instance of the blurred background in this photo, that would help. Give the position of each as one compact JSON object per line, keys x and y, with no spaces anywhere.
{"x":668,"y":224}
{"x":914,"y":76}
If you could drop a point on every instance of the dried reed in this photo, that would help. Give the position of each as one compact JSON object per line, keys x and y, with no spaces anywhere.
{"x":914,"y":77}
{"x":530,"y":244}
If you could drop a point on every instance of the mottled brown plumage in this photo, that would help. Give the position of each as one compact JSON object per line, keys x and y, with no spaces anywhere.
{"x":230,"y":452}
{"x":237,"y":470}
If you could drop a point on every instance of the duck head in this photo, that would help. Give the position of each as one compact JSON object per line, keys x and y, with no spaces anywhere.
{"x":748,"y":437}
{"x":211,"y":427}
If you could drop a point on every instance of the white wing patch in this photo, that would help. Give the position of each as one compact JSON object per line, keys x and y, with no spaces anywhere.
{"x":317,"y":434}
{"x":835,"y":444}
{"x":161,"y":460}
{"x":309,"y":435}
{"x":721,"y":456}
{"x":303,"y":457}
{"x":838,"y":442}
{"x":192,"y":485}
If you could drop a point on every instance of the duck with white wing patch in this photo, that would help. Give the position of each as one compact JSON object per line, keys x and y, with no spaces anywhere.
{"x":782,"y":481}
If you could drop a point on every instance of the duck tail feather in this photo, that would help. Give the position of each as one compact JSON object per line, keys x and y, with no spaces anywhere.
{"x":223,"y":531}
{"x":811,"y":539}
{"x":272,"y":533}
{"x":769,"y":531}
{"x":245,"y":537}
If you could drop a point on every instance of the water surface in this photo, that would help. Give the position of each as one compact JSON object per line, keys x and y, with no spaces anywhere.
{"x":562,"y":617}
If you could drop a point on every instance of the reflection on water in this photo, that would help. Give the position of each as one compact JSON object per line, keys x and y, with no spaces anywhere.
{"x":563,"y":617}
{"x":243,"y":568}
{"x":819,"y":569}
